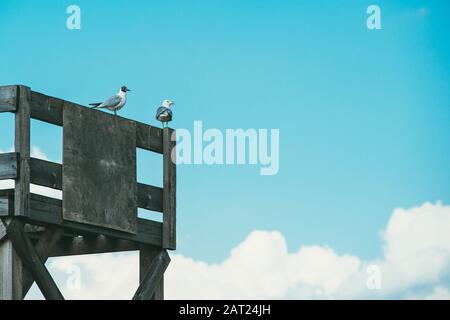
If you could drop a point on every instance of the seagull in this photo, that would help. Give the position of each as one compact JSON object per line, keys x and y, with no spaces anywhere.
{"x":115,"y":103}
{"x":164,"y":113}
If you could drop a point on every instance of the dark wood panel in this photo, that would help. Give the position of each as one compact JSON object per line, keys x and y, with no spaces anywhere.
{"x":8,"y":166}
{"x":99,"y":176}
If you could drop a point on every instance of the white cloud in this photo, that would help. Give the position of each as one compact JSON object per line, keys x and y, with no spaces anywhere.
{"x":416,"y":254}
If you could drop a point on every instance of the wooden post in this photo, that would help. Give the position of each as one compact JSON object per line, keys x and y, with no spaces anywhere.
{"x":43,"y":248}
{"x":146,"y":255}
{"x":32,"y":261}
{"x":22,"y":146}
{"x":150,"y":282}
{"x":10,"y":270}
{"x":169,"y":191}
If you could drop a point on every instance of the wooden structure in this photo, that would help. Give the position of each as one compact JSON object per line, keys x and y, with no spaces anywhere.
{"x":101,"y":194}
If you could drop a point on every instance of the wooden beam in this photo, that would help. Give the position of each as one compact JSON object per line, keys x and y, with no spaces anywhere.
{"x":50,"y":109}
{"x":47,"y":211}
{"x":46,"y":173}
{"x":46,"y":108}
{"x":22,"y":147}
{"x":149,"y":137}
{"x":91,"y":245}
{"x":8,"y":98}
{"x":43,"y":247}
{"x":49,"y":174}
{"x":31,"y":260}
{"x":8,"y":166}
{"x":153,"y":275}
{"x":150,"y":197}
{"x":147,"y":254}
{"x":10,"y":270}
{"x":169,"y":190}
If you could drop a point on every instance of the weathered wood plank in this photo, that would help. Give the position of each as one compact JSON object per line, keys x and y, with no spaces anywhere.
{"x":149,"y":137}
{"x":46,"y":108}
{"x":150,"y":197}
{"x":8,"y":166}
{"x":22,"y":147}
{"x":31,"y":260}
{"x":8,"y":98}
{"x":91,"y":245}
{"x":10,"y":270}
{"x":43,"y":249}
{"x":99,"y":176}
{"x":153,"y":275}
{"x":45,"y":173}
{"x":169,"y":190}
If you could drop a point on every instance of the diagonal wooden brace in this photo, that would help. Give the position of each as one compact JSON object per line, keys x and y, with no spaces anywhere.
{"x":152,"y":278}
{"x":43,"y":248}
{"x":31,"y":260}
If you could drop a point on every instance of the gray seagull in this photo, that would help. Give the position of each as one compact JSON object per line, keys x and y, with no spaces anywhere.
{"x":115,"y":103}
{"x":164,"y":113}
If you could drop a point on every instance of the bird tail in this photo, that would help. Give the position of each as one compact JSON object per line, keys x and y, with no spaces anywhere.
{"x":95,"y":105}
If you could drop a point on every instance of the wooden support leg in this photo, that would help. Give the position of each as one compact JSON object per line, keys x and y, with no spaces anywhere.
{"x":32,"y":261}
{"x":43,"y":248}
{"x":153,"y":263}
{"x":10,"y":269}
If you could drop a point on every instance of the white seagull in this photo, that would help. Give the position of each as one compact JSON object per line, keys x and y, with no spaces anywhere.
{"x":164,"y":113}
{"x":115,"y":103}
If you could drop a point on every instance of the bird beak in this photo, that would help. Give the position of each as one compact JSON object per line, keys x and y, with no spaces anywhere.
{"x":128,"y":89}
{"x":172,"y":103}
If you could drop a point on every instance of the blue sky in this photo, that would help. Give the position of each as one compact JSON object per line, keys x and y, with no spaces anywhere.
{"x":363,"y":115}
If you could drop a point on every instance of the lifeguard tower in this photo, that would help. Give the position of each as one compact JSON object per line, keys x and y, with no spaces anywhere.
{"x":98,"y":212}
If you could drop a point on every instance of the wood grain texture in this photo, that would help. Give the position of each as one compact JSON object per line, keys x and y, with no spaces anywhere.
{"x":46,"y":173}
{"x":8,"y":98}
{"x":169,"y":191}
{"x":22,"y":147}
{"x":99,"y":172}
{"x":31,"y":260}
{"x":8,"y":166}
{"x":153,"y":275}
